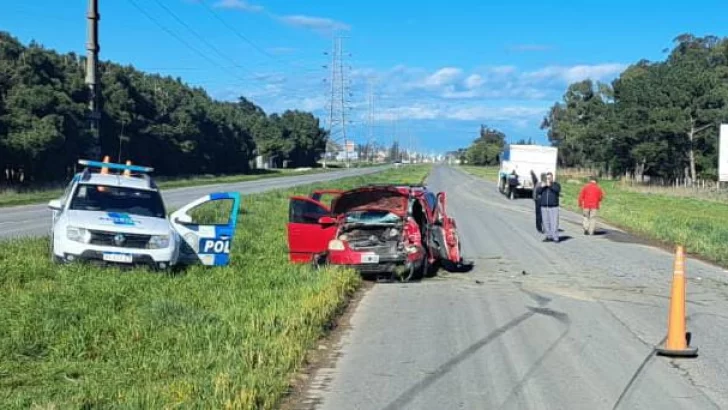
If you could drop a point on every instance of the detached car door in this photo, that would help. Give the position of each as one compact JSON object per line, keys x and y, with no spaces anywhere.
{"x":308,"y":235}
{"x":445,"y":232}
{"x":207,"y":227}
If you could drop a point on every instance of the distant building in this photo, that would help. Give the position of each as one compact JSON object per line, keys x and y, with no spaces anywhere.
{"x":350,"y":146}
{"x":343,"y":155}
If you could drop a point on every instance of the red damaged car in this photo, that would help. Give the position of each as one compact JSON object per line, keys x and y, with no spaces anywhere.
{"x":403,"y":231}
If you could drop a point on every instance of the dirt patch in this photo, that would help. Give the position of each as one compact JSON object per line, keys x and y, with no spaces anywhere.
{"x":324,"y":355}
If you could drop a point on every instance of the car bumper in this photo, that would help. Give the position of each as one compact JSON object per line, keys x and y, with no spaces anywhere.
{"x":97,"y":257}
{"x":386,"y":263}
{"x":158,"y":258}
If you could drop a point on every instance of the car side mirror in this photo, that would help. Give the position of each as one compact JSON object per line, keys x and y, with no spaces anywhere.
{"x":326,"y":220}
{"x":183,"y":219}
{"x":55,"y":205}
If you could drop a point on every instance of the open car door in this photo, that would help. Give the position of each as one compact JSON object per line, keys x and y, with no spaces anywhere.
{"x":445,"y":232}
{"x":308,"y":234}
{"x":207,"y":227}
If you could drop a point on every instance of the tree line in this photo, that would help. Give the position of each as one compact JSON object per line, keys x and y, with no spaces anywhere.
{"x":146,"y":118}
{"x":657,"y":119}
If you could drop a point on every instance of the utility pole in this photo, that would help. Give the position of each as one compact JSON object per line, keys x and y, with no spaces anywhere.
{"x":92,"y":61}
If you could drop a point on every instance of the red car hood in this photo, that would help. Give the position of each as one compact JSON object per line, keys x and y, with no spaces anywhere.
{"x":389,"y":199}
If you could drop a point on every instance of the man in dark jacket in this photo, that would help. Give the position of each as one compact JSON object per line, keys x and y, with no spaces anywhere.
{"x":537,"y":199}
{"x":549,"y":193}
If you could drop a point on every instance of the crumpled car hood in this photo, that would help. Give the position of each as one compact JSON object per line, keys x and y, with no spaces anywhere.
{"x":389,"y":199}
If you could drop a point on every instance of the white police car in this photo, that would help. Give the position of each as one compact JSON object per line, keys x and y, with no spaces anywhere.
{"x":121,"y":219}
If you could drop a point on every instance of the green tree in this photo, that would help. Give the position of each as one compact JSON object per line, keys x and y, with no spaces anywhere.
{"x":147,"y":118}
{"x":487,"y":147}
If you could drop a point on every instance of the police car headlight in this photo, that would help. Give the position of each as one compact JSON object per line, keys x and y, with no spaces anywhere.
{"x":77,"y":234}
{"x":158,"y":241}
{"x":336,"y":245}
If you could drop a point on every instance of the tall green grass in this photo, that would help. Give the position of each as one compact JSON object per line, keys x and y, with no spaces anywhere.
{"x":84,"y":337}
{"x":700,"y":225}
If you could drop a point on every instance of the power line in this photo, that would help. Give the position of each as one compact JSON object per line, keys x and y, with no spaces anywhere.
{"x":201,"y":38}
{"x":255,"y":77}
{"x":240,"y":35}
{"x":178,"y":38}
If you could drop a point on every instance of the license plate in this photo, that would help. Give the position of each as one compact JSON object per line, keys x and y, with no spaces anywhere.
{"x":370,"y":258}
{"x":118,"y":257}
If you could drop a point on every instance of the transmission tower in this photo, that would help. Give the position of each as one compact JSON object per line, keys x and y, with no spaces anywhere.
{"x":338,"y":98}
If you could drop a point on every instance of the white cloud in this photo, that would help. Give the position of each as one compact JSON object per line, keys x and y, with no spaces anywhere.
{"x":452,"y":94}
{"x":443,"y":76}
{"x":502,"y":96}
{"x":502,"y":69}
{"x":571,"y":74}
{"x":312,"y":104}
{"x":238,"y":5}
{"x":415,"y":112}
{"x":320,"y":24}
{"x":482,"y":113}
{"x":522,"y":114}
{"x":473,"y":81}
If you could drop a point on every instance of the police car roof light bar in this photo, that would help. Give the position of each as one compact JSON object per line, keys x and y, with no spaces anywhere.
{"x":111,"y":165}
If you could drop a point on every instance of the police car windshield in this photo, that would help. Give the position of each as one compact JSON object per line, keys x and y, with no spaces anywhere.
{"x":89,"y":197}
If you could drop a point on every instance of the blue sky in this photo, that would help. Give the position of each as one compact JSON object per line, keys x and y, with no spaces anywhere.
{"x":438,"y":69}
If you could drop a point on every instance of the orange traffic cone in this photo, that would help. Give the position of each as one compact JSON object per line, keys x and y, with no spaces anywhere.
{"x":678,"y":341}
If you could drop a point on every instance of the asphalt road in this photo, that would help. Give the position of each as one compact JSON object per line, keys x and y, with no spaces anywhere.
{"x":34,"y":220}
{"x":534,"y":326}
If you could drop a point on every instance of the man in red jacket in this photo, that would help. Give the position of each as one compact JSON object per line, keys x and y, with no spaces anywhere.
{"x":590,"y":198}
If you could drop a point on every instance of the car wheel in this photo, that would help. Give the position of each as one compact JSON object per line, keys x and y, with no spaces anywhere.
{"x":318,"y":262}
{"x":429,"y":269}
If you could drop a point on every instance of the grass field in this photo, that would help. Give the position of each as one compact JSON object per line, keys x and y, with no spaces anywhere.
{"x":13,"y":198}
{"x":232,"y":337}
{"x":698,"y":224}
